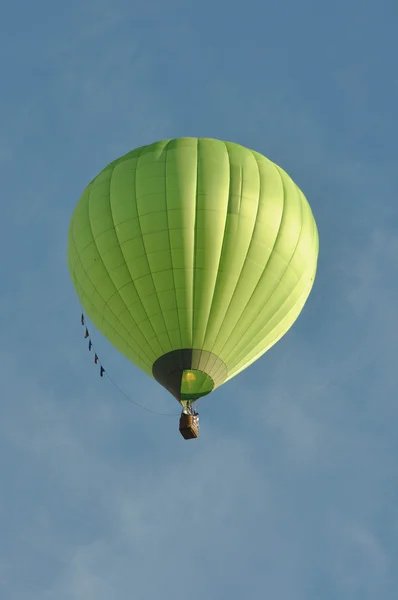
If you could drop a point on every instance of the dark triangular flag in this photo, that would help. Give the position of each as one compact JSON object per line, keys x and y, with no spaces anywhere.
{"x":95,"y":359}
{"x":82,"y":319}
{"x":86,"y":334}
{"x":90,"y":345}
{"x":102,"y":371}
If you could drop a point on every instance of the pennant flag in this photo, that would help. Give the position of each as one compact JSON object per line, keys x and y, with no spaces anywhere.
{"x":86,"y":334}
{"x":82,"y":319}
{"x":95,"y":359}
{"x":102,"y":371}
{"x":90,"y":345}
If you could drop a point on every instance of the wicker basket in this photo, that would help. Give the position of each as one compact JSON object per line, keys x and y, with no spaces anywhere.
{"x":188,"y":429}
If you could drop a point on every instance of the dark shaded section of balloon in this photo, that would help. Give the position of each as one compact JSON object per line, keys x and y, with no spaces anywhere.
{"x":169,"y":368}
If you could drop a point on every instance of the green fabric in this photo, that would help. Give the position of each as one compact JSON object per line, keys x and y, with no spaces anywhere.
{"x":195,"y":384}
{"x":193,"y":243}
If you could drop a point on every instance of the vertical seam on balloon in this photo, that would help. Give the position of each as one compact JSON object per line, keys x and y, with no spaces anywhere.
{"x":263,"y":274}
{"x":244,"y":263}
{"x":117,"y":291}
{"x":91,"y":281}
{"x":242,"y":351}
{"x":170,"y":249}
{"x":242,"y":364}
{"x":272,"y":342}
{"x":139,"y":356}
{"x":128,"y":268}
{"x":149,"y":267}
{"x":270,"y":255}
{"x":98,"y":252}
{"x":221,"y":254}
{"x":195,"y":242}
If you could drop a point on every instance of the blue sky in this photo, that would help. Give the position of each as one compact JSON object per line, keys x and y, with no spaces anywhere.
{"x":291,"y":493}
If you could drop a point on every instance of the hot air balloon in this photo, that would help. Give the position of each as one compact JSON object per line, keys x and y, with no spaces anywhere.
{"x":192,"y":256}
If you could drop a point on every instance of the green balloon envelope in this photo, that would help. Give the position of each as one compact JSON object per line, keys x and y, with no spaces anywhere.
{"x":193,"y":257}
